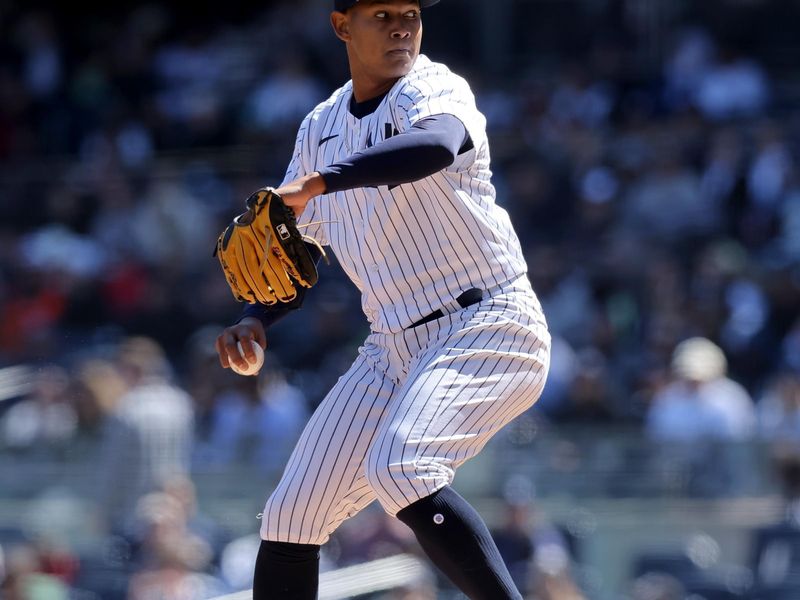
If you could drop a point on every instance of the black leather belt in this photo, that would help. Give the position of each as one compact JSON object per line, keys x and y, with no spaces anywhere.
{"x":468,"y":298}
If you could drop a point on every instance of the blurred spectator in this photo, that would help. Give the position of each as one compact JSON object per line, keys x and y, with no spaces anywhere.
{"x":537,"y":554}
{"x":775,"y":550}
{"x":189,"y":72}
{"x":55,"y":248}
{"x":148,"y":436}
{"x":785,"y":462}
{"x":98,"y":387}
{"x":286,"y":95}
{"x":577,"y":100}
{"x":557,"y":587}
{"x":687,"y":65}
{"x":47,"y":417}
{"x":734,"y":86}
{"x":565,"y":293}
{"x":514,"y":540}
{"x":257,"y":420}
{"x":790,"y":348}
{"x":699,"y":420}
{"x":171,"y":556}
{"x":197,"y":523}
{"x":657,"y":586}
{"x":25,"y":579}
{"x":592,"y":395}
{"x":789,"y":240}
{"x":747,"y":316}
{"x":673,"y":183}
{"x":723,"y":168}
{"x":32,"y":310}
{"x":57,"y":559}
{"x":560,"y":377}
{"x":206,"y":380}
{"x":372,"y":536}
{"x":170,"y":226}
{"x":779,"y":410}
{"x":770,"y":170}
{"x":701,"y":403}
{"x":237,"y":561}
{"x":42,"y":64}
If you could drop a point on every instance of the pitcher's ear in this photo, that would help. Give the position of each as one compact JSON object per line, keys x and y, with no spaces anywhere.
{"x":341,"y":25}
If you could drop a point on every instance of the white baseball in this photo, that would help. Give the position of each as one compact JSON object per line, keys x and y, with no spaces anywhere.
{"x":252,"y":368}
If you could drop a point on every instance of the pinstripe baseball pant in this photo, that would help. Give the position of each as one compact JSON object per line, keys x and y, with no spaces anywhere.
{"x":413,"y":407}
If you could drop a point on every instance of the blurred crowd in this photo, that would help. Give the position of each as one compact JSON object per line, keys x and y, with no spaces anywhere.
{"x":658,"y":203}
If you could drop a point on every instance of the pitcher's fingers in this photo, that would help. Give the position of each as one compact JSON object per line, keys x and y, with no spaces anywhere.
{"x":222,"y":354}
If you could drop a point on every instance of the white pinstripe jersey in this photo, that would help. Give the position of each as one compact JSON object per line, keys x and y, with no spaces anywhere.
{"x":415,"y":247}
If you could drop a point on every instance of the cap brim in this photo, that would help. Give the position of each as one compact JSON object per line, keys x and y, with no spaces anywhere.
{"x":422,"y":3}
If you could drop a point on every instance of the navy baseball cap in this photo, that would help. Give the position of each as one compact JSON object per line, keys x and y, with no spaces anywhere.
{"x":343,"y":5}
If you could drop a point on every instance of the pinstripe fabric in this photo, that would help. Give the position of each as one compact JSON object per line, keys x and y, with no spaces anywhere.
{"x":415,"y":247}
{"x":412,"y":408}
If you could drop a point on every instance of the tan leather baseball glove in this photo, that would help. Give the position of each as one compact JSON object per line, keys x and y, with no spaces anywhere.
{"x":262,"y":253}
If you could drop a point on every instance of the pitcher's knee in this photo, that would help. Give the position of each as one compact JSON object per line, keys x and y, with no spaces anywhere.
{"x":292,"y":520}
{"x":386,"y":480}
{"x":398,"y":483}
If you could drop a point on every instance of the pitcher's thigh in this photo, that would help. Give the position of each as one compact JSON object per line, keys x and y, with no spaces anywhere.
{"x":455,"y":400}
{"x":324,"y":483}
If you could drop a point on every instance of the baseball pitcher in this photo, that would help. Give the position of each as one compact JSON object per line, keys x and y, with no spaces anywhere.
{"x":392,"y":174}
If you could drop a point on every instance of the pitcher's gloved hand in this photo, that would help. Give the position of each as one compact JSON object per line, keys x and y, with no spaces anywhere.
{"x":262,"y":253}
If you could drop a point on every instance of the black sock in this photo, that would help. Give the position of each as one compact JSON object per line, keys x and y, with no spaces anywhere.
{"x":286,"y":572}
{"x":457,"y":541}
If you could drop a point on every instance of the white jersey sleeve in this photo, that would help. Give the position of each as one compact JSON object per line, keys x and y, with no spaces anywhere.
{"x":435,"y":90}
{"x":310,"y":221}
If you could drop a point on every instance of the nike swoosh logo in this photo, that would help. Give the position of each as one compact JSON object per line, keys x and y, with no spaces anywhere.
{"x":326,"y":139}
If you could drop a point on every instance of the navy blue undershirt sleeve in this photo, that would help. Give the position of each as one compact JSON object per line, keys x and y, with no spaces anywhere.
{"x":269,"y":315}
{"x":430,"y":145}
